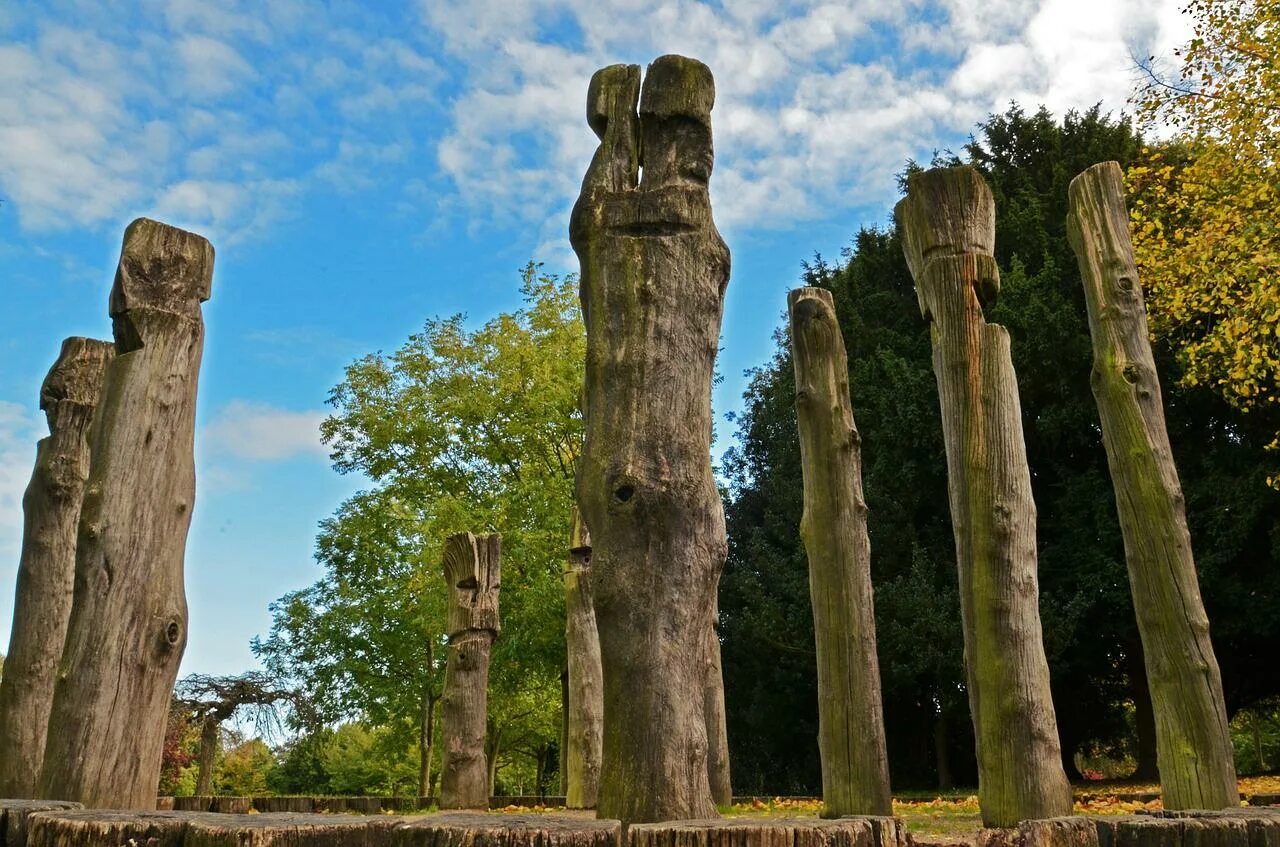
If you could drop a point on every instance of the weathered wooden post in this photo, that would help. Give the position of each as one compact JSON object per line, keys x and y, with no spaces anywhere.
{"x":47,"y":567}
{"x":128,"y":626}
{"x":1194,"y":751}
{"x":947,"y":226}
{"x":472,"y":573}
{"x":855,"y":763}
{"x":654,"y":270}
{"x":586,"y":685}
{"x":717,"y":724}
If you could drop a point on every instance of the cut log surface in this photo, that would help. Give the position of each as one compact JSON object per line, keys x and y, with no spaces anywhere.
{"x":128,"y":626}
{"x":15,"y":818}
{"x":1193,"y":742}
{"x":855,"y":762}
{"x":586,"y":679}
{"x":47,"y":562}
{"x":772,"y":832}
{"x":472,"y":572}
{"x":653,"y":276}
{"x":947,"y":225}
{"x":452,"y":829}
{"x":1073,"y":831}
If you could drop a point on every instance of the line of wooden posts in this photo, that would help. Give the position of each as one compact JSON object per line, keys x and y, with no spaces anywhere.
{"x":100,"y":620}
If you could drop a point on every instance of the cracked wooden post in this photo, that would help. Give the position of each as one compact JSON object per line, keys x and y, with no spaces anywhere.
{"x":855,"y":764}
{"x":47,"y":563}
{"x":654,"y":271}
{"x":947,"y":226}
{"x":1194,"y":751}
{"x":586,"y":720}
{"x":472,"y":573}
{"x":128,"y":625}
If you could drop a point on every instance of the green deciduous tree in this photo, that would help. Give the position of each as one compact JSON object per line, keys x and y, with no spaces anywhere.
{"x":459,"y":430}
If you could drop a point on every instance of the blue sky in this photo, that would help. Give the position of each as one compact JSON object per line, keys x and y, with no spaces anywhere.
{"x":362,"y":167}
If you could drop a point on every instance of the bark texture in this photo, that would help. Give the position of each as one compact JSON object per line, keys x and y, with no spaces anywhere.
{"x":585,"y":677}
{"x":855,"y":763}
{"x":1193,"y":745}
{"x":128,"y":625}
{"x":472,"y":572}
{"x":654,"y":271}
{"x":450,"y":830}
{"x":47,"y":563}
{"x":947,"y":225}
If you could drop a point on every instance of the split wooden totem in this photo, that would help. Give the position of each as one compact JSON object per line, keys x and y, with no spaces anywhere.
{"x":654,"y":271}
{"x":473,"y":576}
{"x":1193,"y":745}
{"x":947,"y":226}
{"x":128,"y":626}
{"x":47,"y":566}
{"x":585,"y":700}
{"x":855,"y":763}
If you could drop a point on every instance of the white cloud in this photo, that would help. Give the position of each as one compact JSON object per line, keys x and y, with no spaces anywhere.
{"x":20,"y":428}
{"x":261,"y":432}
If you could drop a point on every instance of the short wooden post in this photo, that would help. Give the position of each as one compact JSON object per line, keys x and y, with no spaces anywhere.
{"x":472,"y":572}
{"x":1193,"y":744}
{"x":855,"y":764}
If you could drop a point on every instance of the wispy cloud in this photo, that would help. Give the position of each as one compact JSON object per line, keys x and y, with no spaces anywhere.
{"x":263,"y":433}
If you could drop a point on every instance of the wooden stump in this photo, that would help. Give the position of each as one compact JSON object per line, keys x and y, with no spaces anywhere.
{"x":128,"y":626}
{"x":1193,"y":743}
{"x":717,"y":724}
{"x":586,"y":684}
{"x":194,"y":803}
{"x":286,"y":830}
{"x":1073,"y":831}
{"x":772,"y":832}
{"x":472,"y":572}
{"x":654,"y":270}
{"x":855,"y":762}
{"x":483,"y":830}
{"x":947,"y":225}
{"x":105,"y":828}
{"x":15,"y":818}
{"x":47,"y":563}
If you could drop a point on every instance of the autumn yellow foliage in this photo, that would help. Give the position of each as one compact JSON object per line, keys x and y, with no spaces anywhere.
{"x":1205,"y":210}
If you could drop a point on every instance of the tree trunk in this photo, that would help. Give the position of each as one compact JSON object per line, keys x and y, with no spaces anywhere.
{"x":128,"y":625}
{"x":426,"y":743}
{"x":562,"y":778}
{"x":47,"y":565}
{"x":1144,"y":716}
{"x":942,"y":750}
{"x":654,"y":270}
{"x":1197,"y":770}
{"x":581,"y":755}
{"x":472,"y":566}
{"x":855,"y":764}
{"x":947,"y":224}
{"x":209,"y":736}
{"x":717,"y":726}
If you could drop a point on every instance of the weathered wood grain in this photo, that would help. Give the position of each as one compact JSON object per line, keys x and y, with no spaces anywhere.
{"x":585,"y":677}
{"x":472,"y":572}
{"x":128,"y":625}
{"x":947,"y":225}
{"x":654,"y":271}
{"x":47,"y":562}
{"x":1193,"y":743}
{"x":851,"y":741}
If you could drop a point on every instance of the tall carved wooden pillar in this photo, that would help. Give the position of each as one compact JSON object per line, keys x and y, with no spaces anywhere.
{"x":128,"y":626}
{"x":472,"y":572}
{"x":855,"y":762}
{"x":1193,"y":744}
{"x":654,"y":271}
{"x":947,"y":225}
{"x":47,"y":567}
